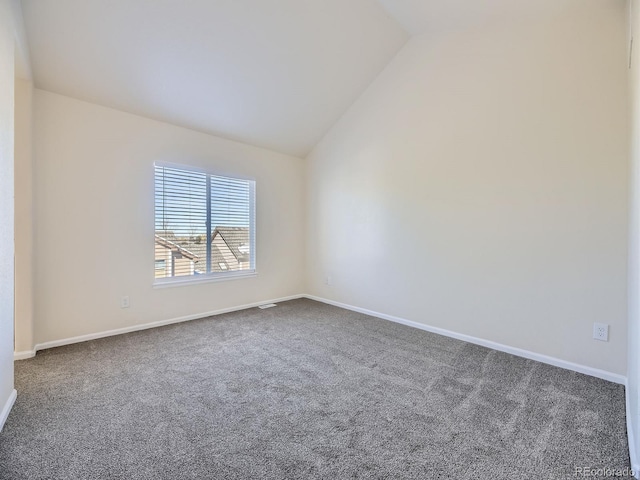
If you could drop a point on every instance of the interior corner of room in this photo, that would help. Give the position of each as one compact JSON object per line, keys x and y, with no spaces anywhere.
{"x":476,"y":177}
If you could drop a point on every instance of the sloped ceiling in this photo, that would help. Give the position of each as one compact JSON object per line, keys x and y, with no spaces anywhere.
{"x":434,"y":16}
{"x":272,"y":73}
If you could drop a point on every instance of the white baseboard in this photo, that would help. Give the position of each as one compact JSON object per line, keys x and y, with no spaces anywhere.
{"x":23,"y":355}
{"x":7,"y":408}
{"x":633,"y":455}
{"x":145,"y":326}
{"x":594,"y":372}
{"x":556,"y":362}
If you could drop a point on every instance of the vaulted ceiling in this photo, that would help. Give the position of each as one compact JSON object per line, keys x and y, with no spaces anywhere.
{"x":435,"y":16}
{"x":273,"y":73}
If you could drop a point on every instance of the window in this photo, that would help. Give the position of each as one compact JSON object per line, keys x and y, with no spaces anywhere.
{"x":204,"y":224}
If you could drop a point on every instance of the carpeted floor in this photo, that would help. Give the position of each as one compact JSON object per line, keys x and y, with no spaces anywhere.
{"x":303,"y":390}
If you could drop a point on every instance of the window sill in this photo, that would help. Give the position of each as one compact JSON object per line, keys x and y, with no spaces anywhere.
{"x":184,"y":281}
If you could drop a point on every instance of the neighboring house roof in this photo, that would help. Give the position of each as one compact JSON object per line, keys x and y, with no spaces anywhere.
{"x":175,"y":247}
{"x":167,"y":234}
{"x":237,"y":239}
{"x":200,"y":249}
{"x":217,"y":259}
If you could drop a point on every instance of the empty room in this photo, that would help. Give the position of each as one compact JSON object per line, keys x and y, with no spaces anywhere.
{"x":284,"y":239}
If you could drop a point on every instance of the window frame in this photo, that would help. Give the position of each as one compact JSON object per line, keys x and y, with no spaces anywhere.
{"x":212,"y":276}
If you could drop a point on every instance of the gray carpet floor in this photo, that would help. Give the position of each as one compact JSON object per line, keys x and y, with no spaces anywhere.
{"x":303,"y":390}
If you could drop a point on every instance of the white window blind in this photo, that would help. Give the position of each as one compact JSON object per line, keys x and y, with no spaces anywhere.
{"x":204,"y":224}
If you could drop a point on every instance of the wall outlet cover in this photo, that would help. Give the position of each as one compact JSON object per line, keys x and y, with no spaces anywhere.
{"x":601,"y":332}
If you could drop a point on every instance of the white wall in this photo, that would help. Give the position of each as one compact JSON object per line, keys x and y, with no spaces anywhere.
{"x":480,"y":185}
{"x":633,"y":367}
{"x":95,"y":222}
{"x":7,"y":62}
{"x":24,"y":218}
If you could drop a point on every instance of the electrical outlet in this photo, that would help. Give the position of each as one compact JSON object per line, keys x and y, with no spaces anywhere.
{"x":124,"y":302}
{"x":601,"y":332}
{"x":328,"y":281}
